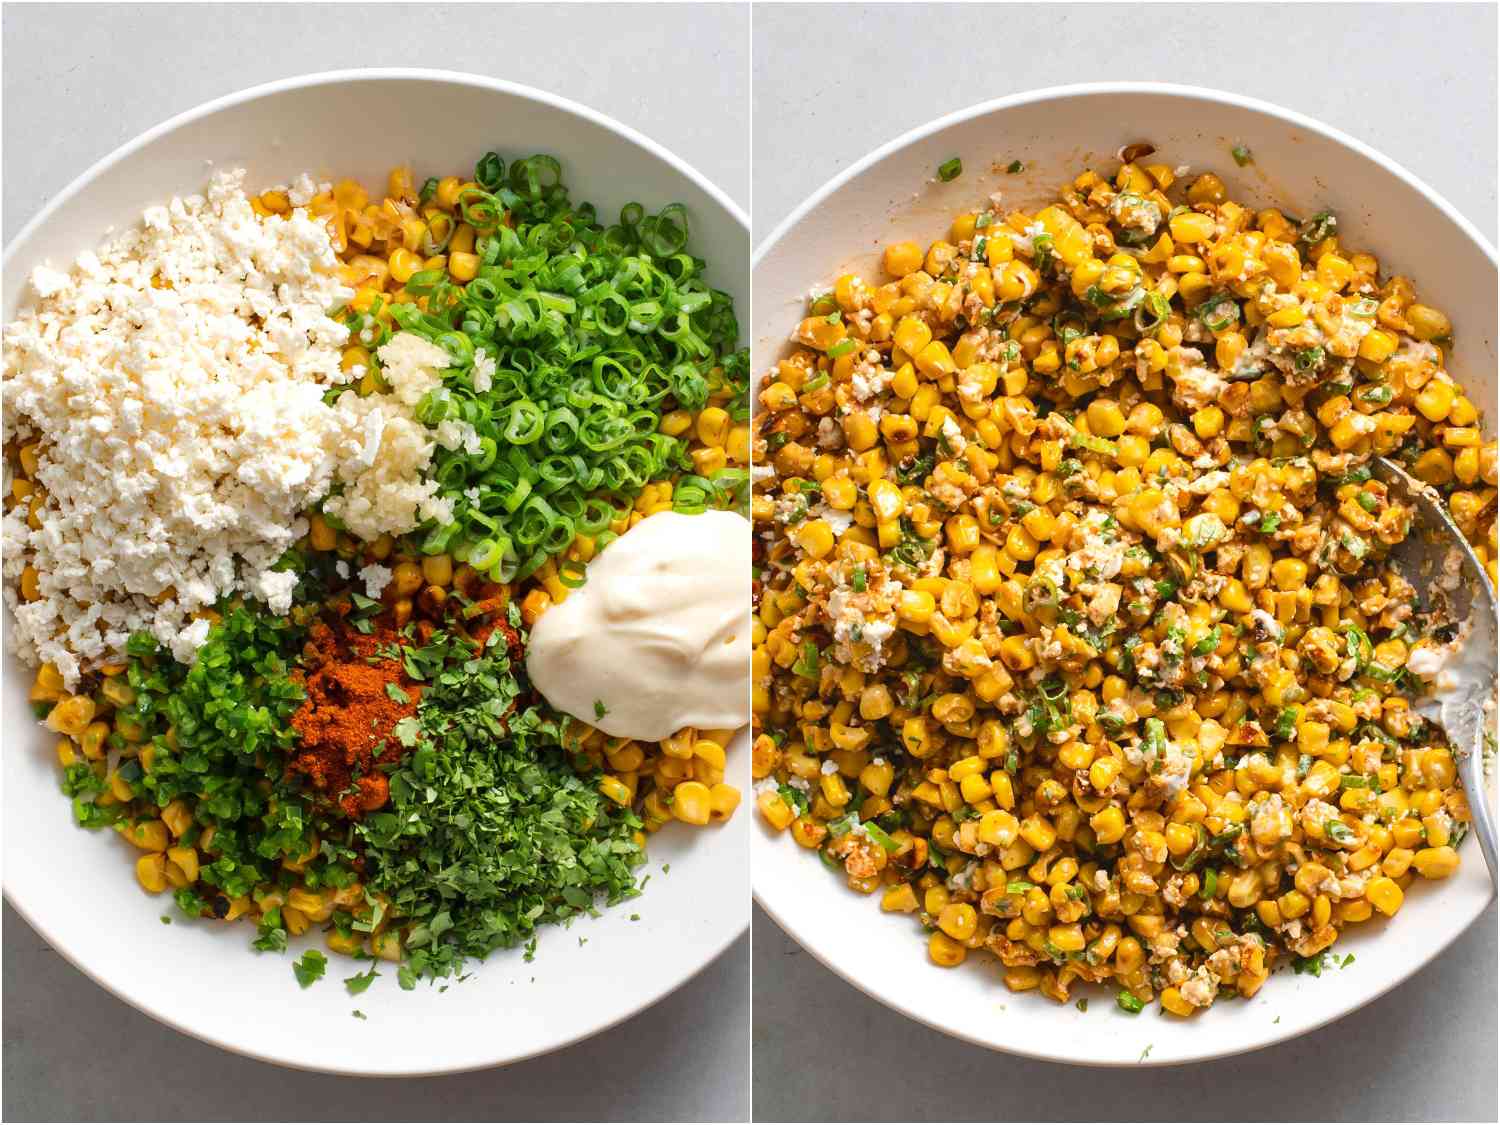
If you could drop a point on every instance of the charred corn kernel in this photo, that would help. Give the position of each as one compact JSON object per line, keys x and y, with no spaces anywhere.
{"x":900,"y":899}
{"x":1427,"y":323}
{"x":815,"y":538}
{"x":902,"y":258}
{"x":934,"y":360}
{"x":1435,"y":863}
{"x":463,"y":266}
{"x":777,"y":813}
{"x":1038,"y":832}
{"x":406,"y":579}
{"x":616,"y":790}
{"x":148,"y":835}
{"x":186,"y":860}
{"x":151,"y":872}
{"x":437,"y":570}
{"x":1191,"y":227}
{"x":945,"y":951}
{"x":1385,"y":895}
{"x":1435,"y":400}
{"x":320,"y":534}
{"x":958,"y":920}
{"x":347,"y":944}
{"x":916,"y":606}
{"x":1378,"y":345}
{"x":72,"y":715}
{"x":1173,"y":1001}
{"x":912,"y":335}
{"x":723,"y":799}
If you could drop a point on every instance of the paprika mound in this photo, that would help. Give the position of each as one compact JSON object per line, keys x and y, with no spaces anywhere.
{"x":357,"y":691}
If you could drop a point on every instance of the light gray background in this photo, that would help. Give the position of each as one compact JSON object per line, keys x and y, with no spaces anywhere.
{"x":833,"y":83}
{"x":80,"y":80}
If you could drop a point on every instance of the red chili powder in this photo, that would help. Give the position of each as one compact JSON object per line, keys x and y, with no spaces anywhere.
{"x":349,"y":712}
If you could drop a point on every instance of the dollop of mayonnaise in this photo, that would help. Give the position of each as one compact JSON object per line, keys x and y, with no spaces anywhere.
{"x":658,"y":636}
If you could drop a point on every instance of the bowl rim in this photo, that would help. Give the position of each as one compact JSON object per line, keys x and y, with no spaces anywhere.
{"x":1084,"y":89}
{"x":671,"y":982}
{"x":361,"y":74}
{"x":912,"y":136}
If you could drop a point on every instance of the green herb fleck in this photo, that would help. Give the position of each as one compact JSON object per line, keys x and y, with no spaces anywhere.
{"x":309,"y":967}
{"x":1127,"y":1001}
{"x":360,"y":981}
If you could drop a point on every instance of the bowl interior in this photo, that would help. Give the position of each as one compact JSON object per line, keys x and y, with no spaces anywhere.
{"x":895,"y":195}
{"x":78,"y":887}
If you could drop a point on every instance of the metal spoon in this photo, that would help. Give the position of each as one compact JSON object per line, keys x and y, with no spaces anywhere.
{"x":1419,"y":559}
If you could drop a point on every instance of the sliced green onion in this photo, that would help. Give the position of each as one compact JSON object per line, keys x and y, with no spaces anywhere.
{"x":590,"y":335}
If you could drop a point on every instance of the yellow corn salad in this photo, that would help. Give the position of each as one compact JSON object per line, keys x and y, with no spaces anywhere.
{"x":1071,"y":638}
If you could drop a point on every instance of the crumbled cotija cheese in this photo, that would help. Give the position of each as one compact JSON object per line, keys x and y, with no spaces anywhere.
{"x":388,"y":451}
{"x":174,"y":381}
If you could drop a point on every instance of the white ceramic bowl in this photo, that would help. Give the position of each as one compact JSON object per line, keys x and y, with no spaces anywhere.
{"x":77,"y":888}
{"x":892,"y":194}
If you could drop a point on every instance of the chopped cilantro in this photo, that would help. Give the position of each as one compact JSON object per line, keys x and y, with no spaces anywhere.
{"x":360,"y":981}
{"x":309,"y":967}
{"x":490,"y":831}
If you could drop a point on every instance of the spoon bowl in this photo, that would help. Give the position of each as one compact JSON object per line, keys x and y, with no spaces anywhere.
{"x":1437,"y":560}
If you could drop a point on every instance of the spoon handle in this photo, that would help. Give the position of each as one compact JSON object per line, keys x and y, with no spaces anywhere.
{"x":1465,"y":721}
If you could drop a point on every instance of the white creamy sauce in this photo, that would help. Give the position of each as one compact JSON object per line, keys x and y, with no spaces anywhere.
{"x":658,"y":637}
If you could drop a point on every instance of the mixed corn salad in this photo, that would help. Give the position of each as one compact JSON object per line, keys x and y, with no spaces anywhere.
{"x":1072,"y":636}
{"x":191,"y":767}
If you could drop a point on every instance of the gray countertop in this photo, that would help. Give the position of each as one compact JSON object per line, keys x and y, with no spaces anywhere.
{"x":80,"y":80}
{"x":833,"y":83}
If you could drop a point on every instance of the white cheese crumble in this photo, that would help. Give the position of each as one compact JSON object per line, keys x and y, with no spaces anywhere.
{"x":174,"y":380}
{"x":483,"y":371}
{"x":384,"y":459}
{"x":376,"y":578}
